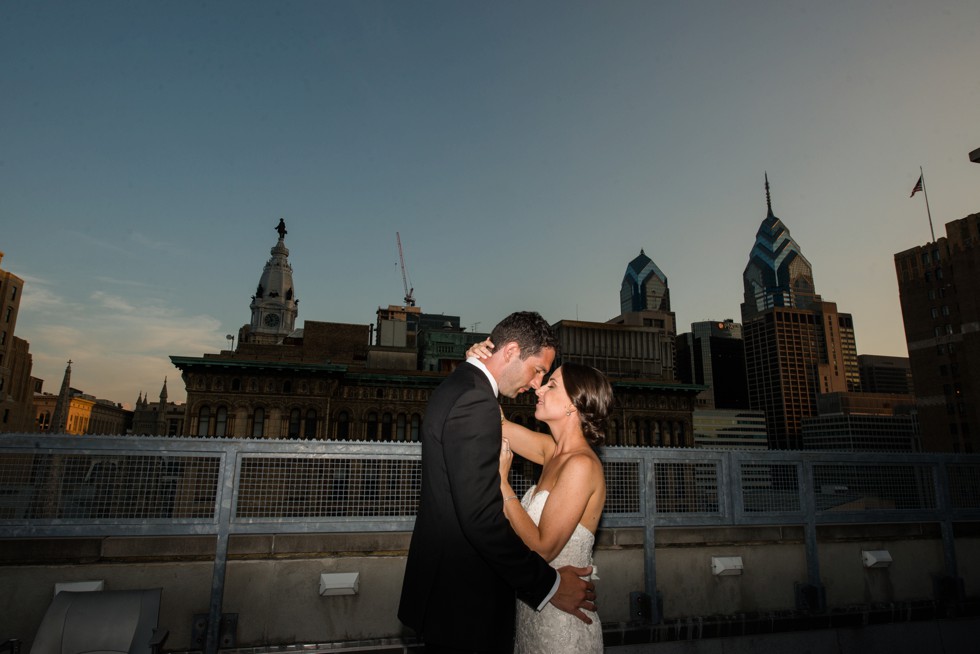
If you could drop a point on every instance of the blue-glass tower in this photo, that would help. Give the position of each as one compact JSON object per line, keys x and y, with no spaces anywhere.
{"x":644,"y":287}
{"x":777,"y":275}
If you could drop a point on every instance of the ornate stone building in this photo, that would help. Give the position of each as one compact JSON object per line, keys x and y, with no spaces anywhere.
{"x":161,"y":418}
{"x":328,"y":381}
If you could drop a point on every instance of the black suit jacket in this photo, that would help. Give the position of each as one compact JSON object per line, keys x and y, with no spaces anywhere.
{"x":465,"y":563}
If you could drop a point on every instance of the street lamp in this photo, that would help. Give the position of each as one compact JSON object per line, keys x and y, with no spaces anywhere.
{"x":232,"y":339}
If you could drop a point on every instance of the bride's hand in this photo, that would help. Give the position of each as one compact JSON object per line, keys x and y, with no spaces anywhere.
{"x":506,"y":458}
{"x":481,"y":350}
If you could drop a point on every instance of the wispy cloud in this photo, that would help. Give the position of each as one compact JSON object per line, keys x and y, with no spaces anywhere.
{"x":154,"y":244}
{"x":41,"y":299}
{"x":120,"y":344}
{"x":123,"y":282}
{"x":99,"y":243}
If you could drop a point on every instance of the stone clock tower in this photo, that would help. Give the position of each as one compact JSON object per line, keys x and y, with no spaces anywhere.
{"x":274,"y":305}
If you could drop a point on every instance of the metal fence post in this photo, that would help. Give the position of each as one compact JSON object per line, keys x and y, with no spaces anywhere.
{"x":649,"y":539}
{"x":229,"y":463}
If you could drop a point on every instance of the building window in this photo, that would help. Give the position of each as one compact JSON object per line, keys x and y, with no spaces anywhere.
{"x":416,"y":422}
{"x":10,"y":312}
{"x":309,"y":428}
{"x":236,"y":384}
{"x":13,"y":293}
{"x":258,"y":423}
{"x":400,"y":424}
{"x":386,"y":427}
{"x":203,"y":418}
{"x":343,"y":425}
{"x":372,"y":426}
{"x":221,"y":421}
{"x":294,"y":420}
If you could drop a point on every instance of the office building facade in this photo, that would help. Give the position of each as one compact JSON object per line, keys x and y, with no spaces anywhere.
{"x":712,"y":354}
{"x":16,"y":388}
{"x":939,"y":290}
{"x":885,"y":374}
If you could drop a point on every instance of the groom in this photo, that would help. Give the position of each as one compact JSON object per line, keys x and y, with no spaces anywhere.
{"x":465,"y":564}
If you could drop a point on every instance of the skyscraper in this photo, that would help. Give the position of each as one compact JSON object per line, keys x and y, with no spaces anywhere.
{"x":712,"y":354}
{"x":939,"y":288}
{"x":796,"y":345}
{"x":644,"y":287}
{"x":644,"y":299}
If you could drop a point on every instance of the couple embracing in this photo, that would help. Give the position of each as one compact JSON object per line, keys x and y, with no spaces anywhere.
{"x":476,"y":545}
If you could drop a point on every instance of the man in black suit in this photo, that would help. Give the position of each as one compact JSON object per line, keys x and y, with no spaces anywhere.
{"x":465,"y":564}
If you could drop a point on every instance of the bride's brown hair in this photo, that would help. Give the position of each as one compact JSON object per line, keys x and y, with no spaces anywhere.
{"x":592,"y":396}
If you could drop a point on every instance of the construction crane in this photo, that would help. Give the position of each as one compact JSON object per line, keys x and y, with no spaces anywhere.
{"x":409,"y":299}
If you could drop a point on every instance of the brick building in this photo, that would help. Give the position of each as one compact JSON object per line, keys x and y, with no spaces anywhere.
{"x":939,"y":289}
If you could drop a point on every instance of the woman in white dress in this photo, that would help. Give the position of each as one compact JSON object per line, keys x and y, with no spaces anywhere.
{"x":558,"y":516}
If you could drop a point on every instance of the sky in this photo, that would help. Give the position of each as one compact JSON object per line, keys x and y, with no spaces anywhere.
{"x":524,"y":151}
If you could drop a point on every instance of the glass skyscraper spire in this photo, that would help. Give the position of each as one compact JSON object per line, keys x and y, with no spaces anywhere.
{"x":777,"y":275}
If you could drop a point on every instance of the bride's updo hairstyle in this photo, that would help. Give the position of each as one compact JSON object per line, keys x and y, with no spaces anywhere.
{"x":592,"y":396}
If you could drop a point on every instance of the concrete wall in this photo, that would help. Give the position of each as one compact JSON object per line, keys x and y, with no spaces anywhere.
{"x":272,"y":580}
{"x":935,"y":637}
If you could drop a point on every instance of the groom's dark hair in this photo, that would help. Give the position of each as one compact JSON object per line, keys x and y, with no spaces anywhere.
{"x":529,"y":330}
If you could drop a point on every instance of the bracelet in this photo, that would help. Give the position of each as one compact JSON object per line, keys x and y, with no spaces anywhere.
{"x":512,"y":497}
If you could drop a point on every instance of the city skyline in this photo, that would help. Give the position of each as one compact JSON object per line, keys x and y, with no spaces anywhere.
{"x":157,"y":146}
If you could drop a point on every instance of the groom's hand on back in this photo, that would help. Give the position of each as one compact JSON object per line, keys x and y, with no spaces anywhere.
{"x":574,"y":593}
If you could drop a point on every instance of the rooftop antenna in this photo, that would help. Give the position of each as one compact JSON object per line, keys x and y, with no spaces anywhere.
{"x":409,"y":298}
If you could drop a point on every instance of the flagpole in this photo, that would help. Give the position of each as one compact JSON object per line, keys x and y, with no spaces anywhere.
{"x":928,"y":213}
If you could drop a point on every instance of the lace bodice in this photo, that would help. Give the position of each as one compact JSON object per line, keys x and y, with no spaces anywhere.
{"x":578,"y":549}
{"x":551,"y":630}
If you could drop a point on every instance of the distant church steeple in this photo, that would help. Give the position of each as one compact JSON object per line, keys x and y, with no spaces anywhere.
{"x":274,"y":305}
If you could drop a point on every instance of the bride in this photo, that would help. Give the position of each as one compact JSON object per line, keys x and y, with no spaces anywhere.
{"x":559,"y":515}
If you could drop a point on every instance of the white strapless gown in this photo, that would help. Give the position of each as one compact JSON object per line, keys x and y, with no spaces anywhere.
{"x":551,"y":631}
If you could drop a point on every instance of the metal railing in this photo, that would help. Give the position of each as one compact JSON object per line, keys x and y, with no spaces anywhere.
{"x":69,"y":486}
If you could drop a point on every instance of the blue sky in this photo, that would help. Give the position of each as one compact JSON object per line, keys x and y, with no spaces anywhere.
{"x":525,"y":151}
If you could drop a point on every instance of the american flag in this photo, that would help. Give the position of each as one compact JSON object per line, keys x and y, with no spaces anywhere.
{"x":918,"y":186}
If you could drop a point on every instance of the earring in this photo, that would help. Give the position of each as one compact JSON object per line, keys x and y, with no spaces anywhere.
{"x":568,"y":412}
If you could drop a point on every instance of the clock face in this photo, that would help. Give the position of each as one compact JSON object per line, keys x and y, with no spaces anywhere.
{"x":271,"y":320}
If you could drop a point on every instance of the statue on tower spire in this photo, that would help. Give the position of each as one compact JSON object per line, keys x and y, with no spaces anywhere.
{"x":281,"y":228}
